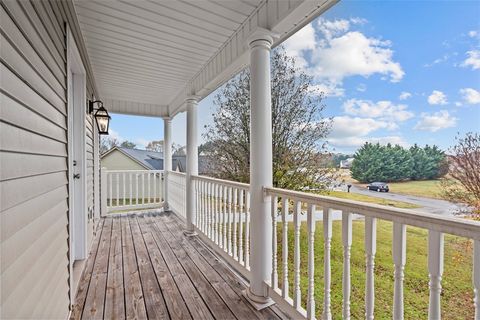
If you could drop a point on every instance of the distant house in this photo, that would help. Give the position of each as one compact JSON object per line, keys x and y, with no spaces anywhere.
{"x":119,"y":158}
{"x":347,"y":163}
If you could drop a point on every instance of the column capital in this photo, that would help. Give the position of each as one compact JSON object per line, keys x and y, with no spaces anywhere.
{"x":261,"y":36}
{"x":167,"y":118}
{"x":192,"y":99}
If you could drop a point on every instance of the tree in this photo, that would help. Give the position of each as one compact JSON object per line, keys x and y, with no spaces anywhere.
{"x":298,"y":129}
{"x":128,"y":144}
{"x":374,"y":162}
{"x":465,"y":172}
{"x":107,"y":143}
{"x":155,"y":145}
{"x":178,"y":150}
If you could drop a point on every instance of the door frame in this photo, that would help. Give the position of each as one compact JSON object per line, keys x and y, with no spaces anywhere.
{"x":76,"y":119}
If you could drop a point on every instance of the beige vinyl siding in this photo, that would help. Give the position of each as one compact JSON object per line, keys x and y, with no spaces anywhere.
{"x":116,"y":160}
{"x":34,"y":267}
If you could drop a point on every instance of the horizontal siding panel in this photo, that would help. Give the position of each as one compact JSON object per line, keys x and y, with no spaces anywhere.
{"x":17,"y":165}
{"x":18,"y":191}
{"x":8,"y":27}
{"x":53,"y":60}
{"x":16,"y":218}
{"x":23,"y":93}
{"x":17,"y":114}
{"x":45,"y":12}
{"x":29,"y":75}
{"x":20,"y":140}
{"x":15,"y":246}
{"x":31,"y":269}
{"x":46,"y":30}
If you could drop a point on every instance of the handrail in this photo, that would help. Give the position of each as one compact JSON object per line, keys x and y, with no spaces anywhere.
{"x":451,"y":225}
{"x":132,"y":171}
{"x":223,"y":182}
{"x":176,"y":173}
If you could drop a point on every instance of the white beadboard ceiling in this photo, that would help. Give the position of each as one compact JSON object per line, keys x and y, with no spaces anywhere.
{"x":147,"y":56}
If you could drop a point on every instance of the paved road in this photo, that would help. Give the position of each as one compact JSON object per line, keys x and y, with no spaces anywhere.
{"x":429,"y":205}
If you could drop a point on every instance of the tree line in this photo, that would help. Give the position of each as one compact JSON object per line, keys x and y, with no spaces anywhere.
{"x":375,"y":162}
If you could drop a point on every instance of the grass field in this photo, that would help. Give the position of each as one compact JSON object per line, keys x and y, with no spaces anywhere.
{"x":426,"y":188}
{"x":457,"y":292}
{"x":369,"y":199}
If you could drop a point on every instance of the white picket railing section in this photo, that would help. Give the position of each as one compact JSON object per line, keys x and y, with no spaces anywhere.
{"x":223,"y":218}
{"x":436,"y":225}
{"x":133,"y":189}
{"x":176,"y":192}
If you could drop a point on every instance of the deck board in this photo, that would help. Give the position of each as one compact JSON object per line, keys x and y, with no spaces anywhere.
{"x":144,"y":267}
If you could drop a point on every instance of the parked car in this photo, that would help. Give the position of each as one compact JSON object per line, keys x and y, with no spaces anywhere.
{"x":378,"y":186}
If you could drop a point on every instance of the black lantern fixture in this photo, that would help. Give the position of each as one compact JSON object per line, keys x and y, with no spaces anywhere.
{"x":101,"y":116}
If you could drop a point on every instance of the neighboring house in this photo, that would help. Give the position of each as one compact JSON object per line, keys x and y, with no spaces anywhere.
{"x":119,"y":158}
{"x":347,"y":163}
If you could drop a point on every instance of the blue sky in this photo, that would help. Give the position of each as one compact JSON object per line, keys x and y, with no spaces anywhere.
{"x":394,"y":71}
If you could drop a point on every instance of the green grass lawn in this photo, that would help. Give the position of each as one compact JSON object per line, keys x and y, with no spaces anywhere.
{"x":426,"y":188}
{"x":369,"y":199}
{"x":457,"y":292}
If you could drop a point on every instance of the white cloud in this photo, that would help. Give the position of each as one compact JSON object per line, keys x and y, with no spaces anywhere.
{"x":354,"y":54}
{"x":335,"y":53}
{"x":362,"y":87}
{"x":115,"y":135}
{"x":436,"y":121}
{"x":353,"y":132}
{"x":470,"y":96}
{"x":329,"y":89}
{"x":300,"y":42}
{"x":404,"y":95}
{"x":458,"y":103}
{"x":437,"y":97}
{"x":473,"y":59}
{"x":384,"y":110}
{"x":472,"y":33}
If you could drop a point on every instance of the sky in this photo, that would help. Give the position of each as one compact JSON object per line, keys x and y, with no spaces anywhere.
{"x":400,"y":72}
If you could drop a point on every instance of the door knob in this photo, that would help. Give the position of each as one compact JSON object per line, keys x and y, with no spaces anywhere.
{"x":76,"y":176}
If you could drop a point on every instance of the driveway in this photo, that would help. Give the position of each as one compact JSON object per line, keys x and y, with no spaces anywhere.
{"x":428,"y":205}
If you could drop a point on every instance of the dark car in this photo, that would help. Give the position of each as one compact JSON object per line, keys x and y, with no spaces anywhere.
{"x":378,"y":186}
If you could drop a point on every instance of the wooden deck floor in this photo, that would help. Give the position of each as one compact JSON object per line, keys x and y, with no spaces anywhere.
{"x":144,"y":267}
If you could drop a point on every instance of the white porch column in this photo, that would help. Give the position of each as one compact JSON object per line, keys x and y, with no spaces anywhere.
{"x":192,"y":162}
{"x":260,"y":167}
{"x":167,"y":159}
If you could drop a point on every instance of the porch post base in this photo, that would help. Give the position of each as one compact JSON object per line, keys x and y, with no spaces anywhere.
{"x":188,"y":233}
{"x":258,"y":302}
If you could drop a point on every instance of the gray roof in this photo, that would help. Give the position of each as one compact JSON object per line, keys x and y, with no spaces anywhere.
{"x":150,"y":159}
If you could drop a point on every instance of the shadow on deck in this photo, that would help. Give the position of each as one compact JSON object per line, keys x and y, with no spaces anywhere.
{"x":142,"y":266}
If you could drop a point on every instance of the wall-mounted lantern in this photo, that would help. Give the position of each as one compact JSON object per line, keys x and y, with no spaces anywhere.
{"x":101,"y":116}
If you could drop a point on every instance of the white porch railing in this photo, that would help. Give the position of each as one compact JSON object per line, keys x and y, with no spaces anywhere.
{"x":222,"y":220}
{"x":176,"y":192}
{"x":133,"y":189}
{"x":223,"y":216}
{"x":435,"y":224}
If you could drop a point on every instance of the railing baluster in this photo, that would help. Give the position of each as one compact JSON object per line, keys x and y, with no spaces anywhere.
{"x":347,"y":244}
{"x":297,"y":295}
{"x":149,"y":186}
{"x":130,"y":188}
{"x":247,"y":230}
{"x":241,"y":258}
{"x":476,"y":278}
{"x":327,"y":238}
{"x":123,"y":191}
{"x":274,"y":279}
{"x":235,"y":209}
{"x":370,"y":251}
{"x":118,"y":189}
{"x":285,"y":247}
{"x":210,"y":211}
{"x":229,"y":221}
{"x":224,"y":217}
{"x":399,"y":257}
{"x":311,"y":262}
{"x":155,"y":187}
{"x":110,"y":176}
{"x":435,"y":271}
{"x":136,"y":188}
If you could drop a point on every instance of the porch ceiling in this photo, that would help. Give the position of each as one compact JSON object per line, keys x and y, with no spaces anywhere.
{"x":148,"y":56}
